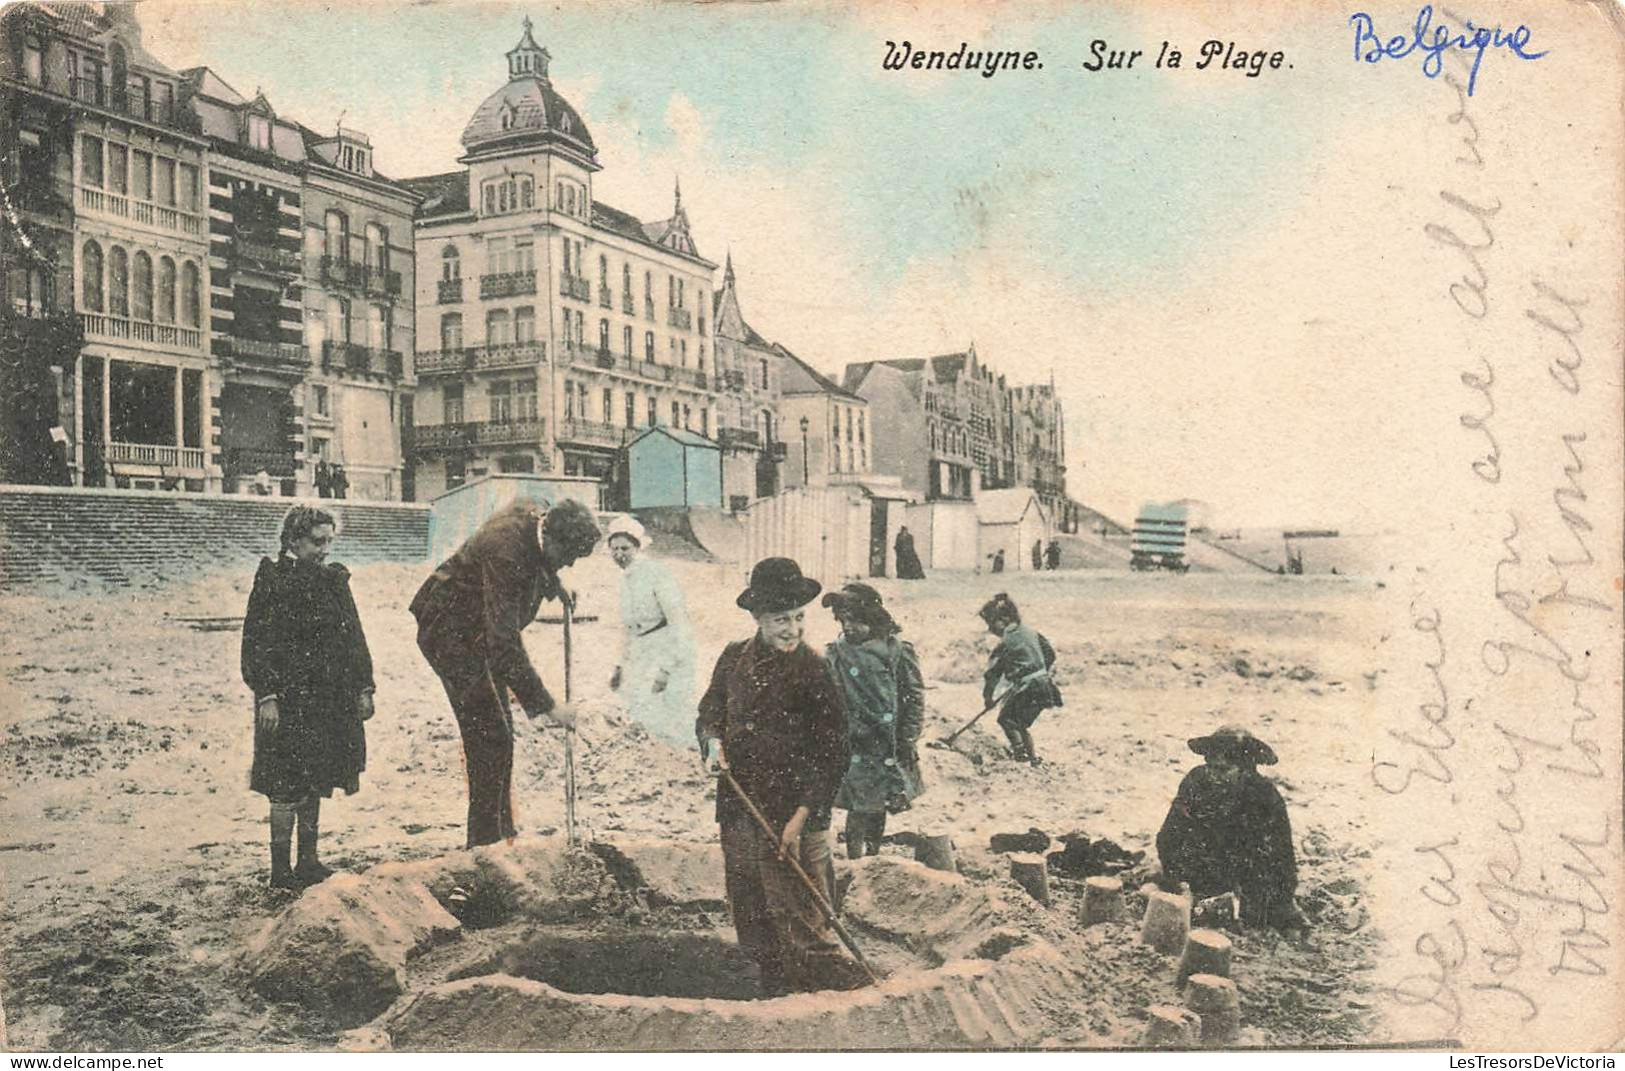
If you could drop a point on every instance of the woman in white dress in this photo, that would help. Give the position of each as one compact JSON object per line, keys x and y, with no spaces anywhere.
{"x":656,"y":672}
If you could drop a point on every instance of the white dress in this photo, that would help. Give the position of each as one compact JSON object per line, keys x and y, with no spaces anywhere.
{"x":655,"y":636}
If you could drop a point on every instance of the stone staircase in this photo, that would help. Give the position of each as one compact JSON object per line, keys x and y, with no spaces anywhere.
{"x":56,"y":535}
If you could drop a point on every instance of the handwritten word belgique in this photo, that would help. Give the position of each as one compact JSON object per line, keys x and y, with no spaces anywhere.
{"x":1434,"y":41}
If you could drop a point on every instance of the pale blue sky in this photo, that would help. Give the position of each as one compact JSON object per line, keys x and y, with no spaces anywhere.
{"x":1069,"y":221}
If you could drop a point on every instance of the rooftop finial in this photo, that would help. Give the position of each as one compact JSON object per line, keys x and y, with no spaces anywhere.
{"x":677,"y":207}
{"x":527,"y":58}
{"x":728,"y":269}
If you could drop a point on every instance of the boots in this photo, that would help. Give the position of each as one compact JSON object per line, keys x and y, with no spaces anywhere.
{"x":1018,"y":744}
{"x":281,"y":871}
{"x":1032,"y":751}
{"x":310,"y":870}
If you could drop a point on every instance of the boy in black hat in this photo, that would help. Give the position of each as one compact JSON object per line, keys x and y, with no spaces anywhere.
{"x":1023,"y":660}
{"x":772,"y":717}
{"x":1228,"y":831}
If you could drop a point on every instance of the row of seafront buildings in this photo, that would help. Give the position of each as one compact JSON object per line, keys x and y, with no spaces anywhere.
{"x":232,"y":293}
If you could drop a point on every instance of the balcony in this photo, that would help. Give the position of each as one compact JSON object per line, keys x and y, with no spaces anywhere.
{"x":360,"y":360}
{"x":249,"y":460}
{"x":428,"y":438}
{"x":381,"y":282}
{"x":259,"y":255}
{"x":172,"y":457}
{"x":120,"y":327}
{"x":90,"y":91}
{"x":480,"y":358}
{"x":606,"y":297}
{"x":679,"y":318}
{"x":592,"y":433}
{"x":507,"y":284}
{"x":116,"y":204}
{"x":573,"y":286}
{"x":450,"y":291}
{"x":276,"y":356}
{"x":341,"y":271}
{"x":739,"y":438}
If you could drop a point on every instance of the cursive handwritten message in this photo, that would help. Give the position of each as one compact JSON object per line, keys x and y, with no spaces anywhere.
{"x":1514,"y":862}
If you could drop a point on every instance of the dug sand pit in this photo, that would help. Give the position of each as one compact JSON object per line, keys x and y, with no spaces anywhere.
{"x":629,"y":947}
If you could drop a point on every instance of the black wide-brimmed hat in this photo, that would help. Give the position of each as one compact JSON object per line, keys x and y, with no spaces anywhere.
{"x":863,"y":603}
{"x":1236,"y":742}
{"x":776,"y":585}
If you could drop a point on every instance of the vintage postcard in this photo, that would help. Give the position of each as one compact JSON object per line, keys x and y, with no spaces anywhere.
{"x":802,"y":526}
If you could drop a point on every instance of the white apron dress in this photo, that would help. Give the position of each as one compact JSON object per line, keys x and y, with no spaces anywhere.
{"x":655,"y":636}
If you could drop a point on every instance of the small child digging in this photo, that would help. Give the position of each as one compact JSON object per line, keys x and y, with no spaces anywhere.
{"x":1023,"y":660}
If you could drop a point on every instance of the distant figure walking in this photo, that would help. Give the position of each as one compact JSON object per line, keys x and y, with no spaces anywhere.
{"x":306,"y":659}
{"x":656,"y":671}
{"x":908,"y":560}
{"x":998,"y":562}
{"x":1038,"y":555}
{"x":341,"y":482}
{"x":324,"y":480}
{"x":262,"y":483}
{"x":1052,"y":554}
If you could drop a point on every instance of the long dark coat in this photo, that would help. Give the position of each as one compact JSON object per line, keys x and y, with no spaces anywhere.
{"x":302,"y":642}
{"x":885,"y":711}
{"x":472,"y":610}
{"x":908,"y":559}
{"x":1231,"y":840}
{"x":782,"y":725}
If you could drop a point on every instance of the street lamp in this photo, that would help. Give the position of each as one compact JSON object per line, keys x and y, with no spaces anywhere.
{"x":805,"y":478}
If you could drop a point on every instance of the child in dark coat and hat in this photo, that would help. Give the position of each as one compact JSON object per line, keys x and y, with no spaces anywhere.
{"x":306,"y":659}
{"x":1228,"y":831}
{"x":880,"y":680}
{"x":772,"y":723}
{"x":1023,"y":660}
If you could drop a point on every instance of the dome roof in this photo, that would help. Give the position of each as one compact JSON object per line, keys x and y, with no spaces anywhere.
{"x":527,"y":112}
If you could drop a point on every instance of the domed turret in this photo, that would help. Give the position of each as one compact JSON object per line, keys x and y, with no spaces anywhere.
{"x":528,"y":112}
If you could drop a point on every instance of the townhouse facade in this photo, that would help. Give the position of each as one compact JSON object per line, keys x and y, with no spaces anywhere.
{"x":564,"y":325}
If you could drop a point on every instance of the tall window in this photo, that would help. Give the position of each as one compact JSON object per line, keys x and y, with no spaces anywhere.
{"x":451,"y":331}
{"x":377,"y":249}
{"x":378,"y":326}
{"x":524,"y":253}
{"x":499,"y":256}
{"x":649,"y":295}
{"x":626,"y":342}
{"x":33,"y":59}
{"x":684,"y":351}
{"x":189,"y":191}
{"x":569,"y":399}
{"x":336,"y":237}
{"x":705,"y":423}
{"x":338,"y":319}
{"x":626,"y":285}
{"x":164,"y":194}
{"x":141,"y":175}
{"x":649,"y":347}
{"x":609,"y":406}
{"x":259,"y":133}
{"x":90,"y":161}
{"x":498,"y":328}
{"x":141,"y":283}
{"x":631,"y":410}
{"x":764,"y":373}
{"x":569,"y":335}
{"x":603,"y":274}
{"x":451,"y":266}
{"x":166,"y":290}
{"x":654,"y":411}
{"x":524,"y":325}
{"x":671,"y":291}
{"x":118,"y":164}
{"x":676,"y":415}
{"x":451,"y":403}
{"x":90,"y":266}
{"x":191,"y":296}
{"x":603,"y":336}
{"x":499,"y":403}
{"x":118,"y":282}
{"x":524,"y":399}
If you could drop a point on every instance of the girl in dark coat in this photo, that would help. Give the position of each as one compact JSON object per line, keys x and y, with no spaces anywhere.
{"x":1023,"y":660}
{"x":306,"y":659}
{"x":879,"y":676}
